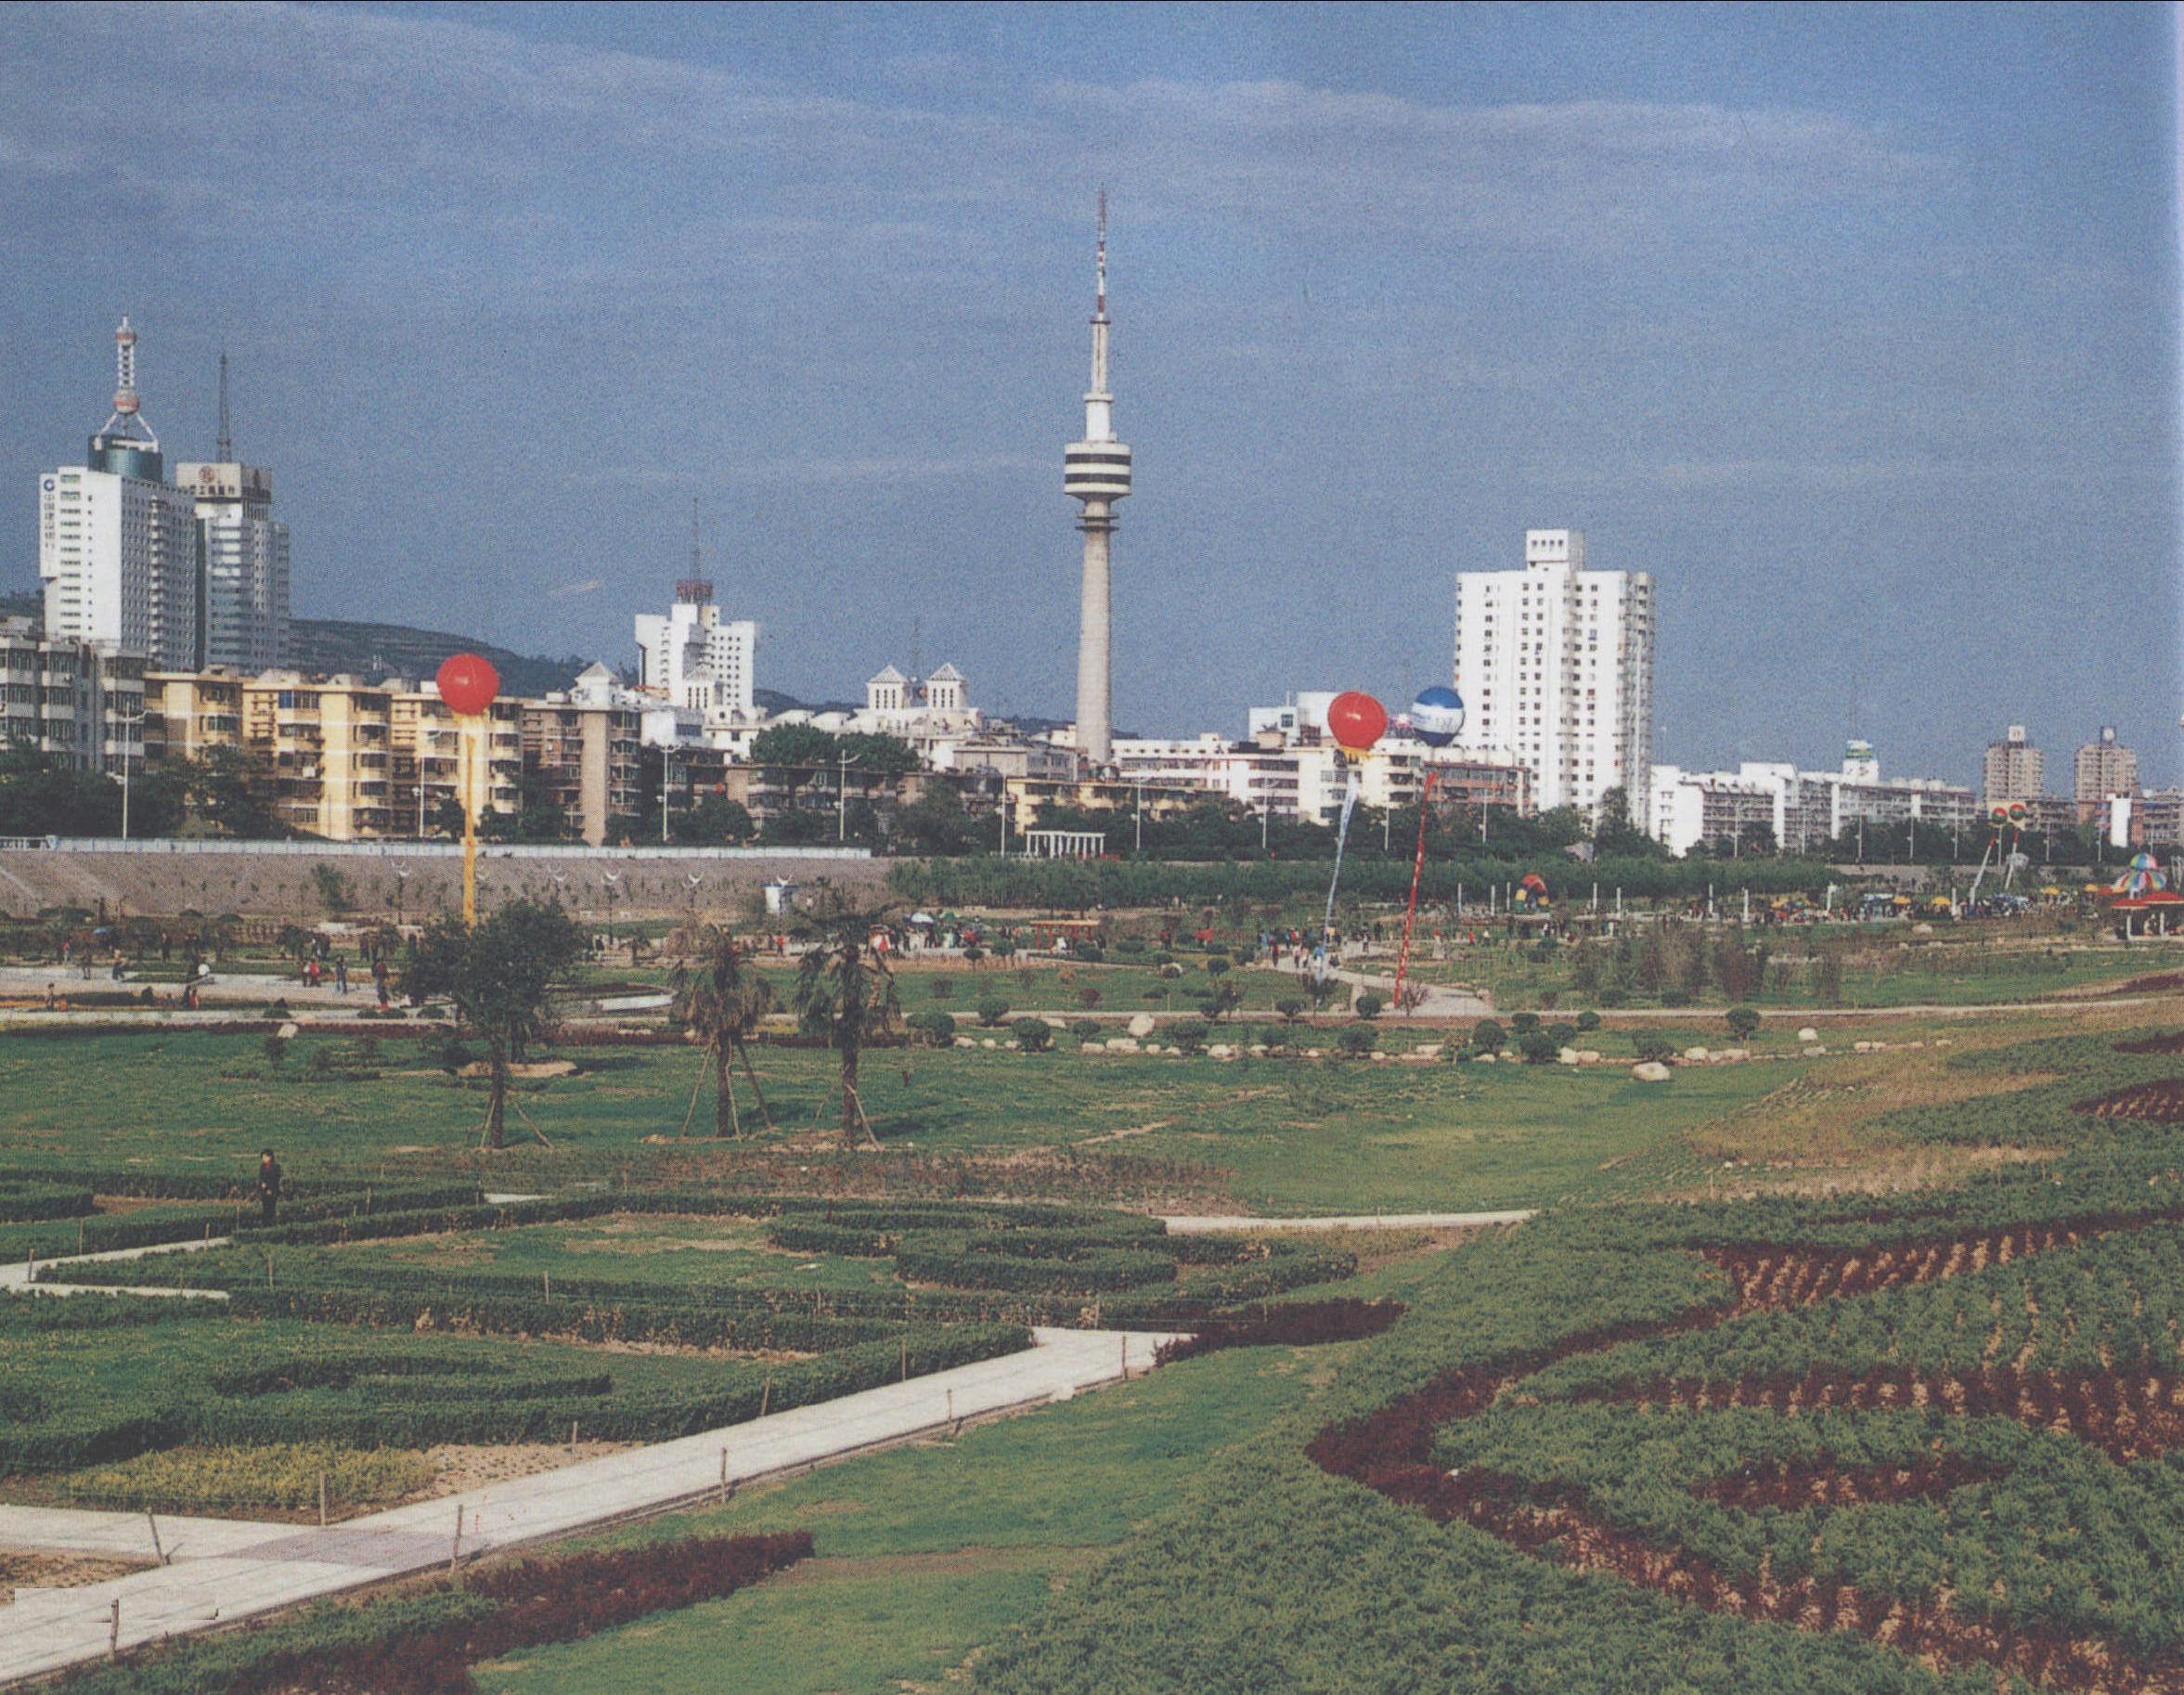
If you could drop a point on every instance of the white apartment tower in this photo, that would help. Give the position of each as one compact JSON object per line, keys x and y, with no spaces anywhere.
{"x":1555,"y":664}
{"x":244,"y":551}
{"x":694,"y":658}
{"x":117,"y":546}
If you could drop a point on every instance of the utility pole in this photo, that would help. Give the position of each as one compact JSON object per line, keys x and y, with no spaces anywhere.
{"x":1139,"y":839}
{"x":128,"y":724}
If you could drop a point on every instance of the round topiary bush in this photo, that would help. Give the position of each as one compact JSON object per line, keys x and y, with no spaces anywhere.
{"x":1655,"y":1045}
{"x":1033,"y":1035}
{"x":1189,"y":1034}
{"x":1743,"y":1023}
{"x":991,"y":1011}
{"x":1357,"y":1040}
{"x":1537,"y":1047}
{"x":1368,"y":1006}
{"x":937,"y":1030}
{"x":1488,"y":1036}
{"x":1523,"y":1023}
{"x":1588,"y":1021}
{"x":1087,"y":1029}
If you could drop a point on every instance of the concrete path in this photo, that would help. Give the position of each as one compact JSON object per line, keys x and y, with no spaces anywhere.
{"x":18,"y":1277}
{"x":239,"y":1571}
{"x":1213,"y":1223}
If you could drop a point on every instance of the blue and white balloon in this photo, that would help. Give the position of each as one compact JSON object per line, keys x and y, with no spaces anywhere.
{"x":1437,"y":716}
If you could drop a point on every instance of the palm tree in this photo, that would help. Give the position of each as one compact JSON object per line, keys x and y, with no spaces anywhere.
{"x":844,"y":984}
{"x":720,"y":998}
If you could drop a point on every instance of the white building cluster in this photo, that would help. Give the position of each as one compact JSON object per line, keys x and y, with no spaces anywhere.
{"x":1800,"y":811}
{"x":181,"y":575}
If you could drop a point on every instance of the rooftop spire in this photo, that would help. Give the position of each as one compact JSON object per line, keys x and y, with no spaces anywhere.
{"x":128,"y":413}
{"x":225,"y":450}
{"x":1097,"y":427}
{"x":1100,"y":265}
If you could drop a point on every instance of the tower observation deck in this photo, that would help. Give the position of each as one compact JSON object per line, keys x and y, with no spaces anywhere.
{"x":1096,"y":471}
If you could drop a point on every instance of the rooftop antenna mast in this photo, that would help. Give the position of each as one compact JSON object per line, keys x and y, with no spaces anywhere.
{"x":129,"y":415}
{"x":917,"y":657}
{"x":225,"y":452}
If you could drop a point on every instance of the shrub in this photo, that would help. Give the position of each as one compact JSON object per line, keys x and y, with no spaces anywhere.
{"x":1612,"y":994}
{"x":1357,"y":1040}
{"x":1273,"y":1037}
{"x":1523,"y":1023}
{"x":1743,"y":1023}
{"x":1033,"y":1035}
{"x":1129,"y":944}
{"x":1291,"y":1008}
{"x":1656,"y":1045}
{"x":1088,"y":1029}
{"x":1189,"y":1034}
{"x":280,"y":1474}
{"x":1676,"y":996}
{"x":1170,"y":970}
{"x":1090,"y":953}
{"x":275,"y":1051}
{"x":453,"y":1055}
{"x":1217,"y":964}
{"x":972,"y":955}
{"x":1588,"y":1021}
{"x":1088,"y":997}
{"x":938,"y":1028}
{"x":320,"y":1066}
{"x":1368,"y":1006}
{"x":991,"y":1009}
{"x":942,"y":988}
{"x":1537,"y":1047}
{"x":1163,"y":960}
{"x":1563,"y":1035}
{"x":1488,"y":1036}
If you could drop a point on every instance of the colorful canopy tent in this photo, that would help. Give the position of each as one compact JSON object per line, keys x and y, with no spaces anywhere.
{"x":2141,"y":877}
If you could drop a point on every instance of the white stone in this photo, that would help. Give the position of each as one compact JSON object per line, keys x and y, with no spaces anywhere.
{"x":1808,"y":1034}
{"x":989,"y":1042}
{"x":1123,"y":1044}
{"x":1695,"y":1054}
{"x":1588,"y":1057}
{"x":286,"y":1033}
{"x":1734,"y":1054}
{"x":1814,"y":1050}
{"x":1427,"y":1049}
{"x":1566,"y":1057}
{"x":1142,"y":1026}
{"x":1221,"y":1050}
{"x":966,"y":1042}
{"x":1649,"y":1071}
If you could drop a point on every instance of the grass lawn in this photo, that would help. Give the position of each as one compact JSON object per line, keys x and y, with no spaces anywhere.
{"x":924,"y":1553}
{"x":1290,"y":1134}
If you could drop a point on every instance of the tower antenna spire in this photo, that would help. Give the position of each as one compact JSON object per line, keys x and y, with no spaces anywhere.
{"x":694,"y":543}
{"x":1095,"y":471}
{"x":128,"y":414}
{"x":224,"y":451}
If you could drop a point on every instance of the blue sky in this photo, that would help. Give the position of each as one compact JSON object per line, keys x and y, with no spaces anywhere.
{"x":1856,"y":327}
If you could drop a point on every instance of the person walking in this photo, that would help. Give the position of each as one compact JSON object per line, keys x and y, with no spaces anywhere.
{"x":268,"y":1186}
{"x":340,"y":975}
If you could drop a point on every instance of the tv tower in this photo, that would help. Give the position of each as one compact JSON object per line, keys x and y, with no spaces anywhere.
{"x":1096,"y":471}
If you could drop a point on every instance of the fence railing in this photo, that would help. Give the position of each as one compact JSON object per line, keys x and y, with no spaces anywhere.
{"x":429,"y":850}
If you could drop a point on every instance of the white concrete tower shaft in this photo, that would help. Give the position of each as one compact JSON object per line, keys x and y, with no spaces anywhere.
{"x":1096,"y":472}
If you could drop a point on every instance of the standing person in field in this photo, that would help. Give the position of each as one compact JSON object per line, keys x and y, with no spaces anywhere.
{"x":268,"y":1186}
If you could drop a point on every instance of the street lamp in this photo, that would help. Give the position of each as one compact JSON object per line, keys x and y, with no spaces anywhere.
{"x":613,"y":880}
{"x":401,"y":884}
{"x":1140,"y":836}
{"x":846,"y":759}
{"x":126,"y":723}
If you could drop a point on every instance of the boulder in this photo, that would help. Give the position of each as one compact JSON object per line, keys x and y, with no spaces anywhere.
{"x":1221,"y":1050}
{"x":966,"y":1042}
{"x":1808,"y":1034}
{"x":1588,"y":1057}
{"x":1697,"y":1055}
{"x":1054,"y":1022}
{"x":1734,"y":1054}
{"x":1649,"y":1071}
{"x":1427,"y":1049}
{"x":1566,"y":1057}
{"x":989,"y":1042}
{"x":1123,"y":1044}
{"x":286,"y":1033}
{"x":1814,"y":1050}
{"x":1142,"y":1026}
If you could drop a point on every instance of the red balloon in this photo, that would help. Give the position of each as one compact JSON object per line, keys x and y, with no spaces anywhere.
{"x":468,"y":684}
{"x":1356,"y":722}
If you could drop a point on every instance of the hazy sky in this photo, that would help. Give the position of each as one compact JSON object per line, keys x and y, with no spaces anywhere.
{"x":1857,"y":328}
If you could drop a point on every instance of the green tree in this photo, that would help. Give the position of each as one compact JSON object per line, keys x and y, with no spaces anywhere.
{"x":714,"y":819}
{"x":720,"y":998}
{"x":41,"y":794}
{"x":843,"y":985}
{"x":499,"y":976}
{"x":1743,"y":1023}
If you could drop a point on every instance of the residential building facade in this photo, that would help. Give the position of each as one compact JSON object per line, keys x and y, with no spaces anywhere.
{"x":244,"y":549}
{"x":692,"y":657}
{"x":74,"y":701}
{"x":2101,"y":769}
{"x":1554,"y":662}
{"x":2014,"y":769}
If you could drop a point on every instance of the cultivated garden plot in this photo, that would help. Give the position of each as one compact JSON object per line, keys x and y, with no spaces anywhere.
{"x":378,"y":1336}
{"x":1845,"y":1445}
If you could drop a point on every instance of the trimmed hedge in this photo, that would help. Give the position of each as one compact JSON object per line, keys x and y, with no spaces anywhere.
{"x":28,"y":1203}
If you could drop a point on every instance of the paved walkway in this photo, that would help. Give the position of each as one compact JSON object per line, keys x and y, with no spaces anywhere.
{"x":1210,"y":1224}
{"x":229,"y":1572}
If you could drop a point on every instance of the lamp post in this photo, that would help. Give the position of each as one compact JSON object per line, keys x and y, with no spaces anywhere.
{"x":612,"y":880}
{"x":845,"y":760}
{"x":401,"y":887}
{"x":666,"y":777}
{"x":1139,"y":838}
{"x":126,"y":723}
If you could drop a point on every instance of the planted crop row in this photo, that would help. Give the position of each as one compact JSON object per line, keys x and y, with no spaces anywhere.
{"x":195,"y":1413}
{"x":420,"y":1644}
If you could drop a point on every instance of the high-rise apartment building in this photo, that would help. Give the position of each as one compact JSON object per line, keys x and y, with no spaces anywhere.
{"x":2103,"y":768}
{"x":244,"y":548}
{"x":117,"y":544}
{"x":693,"y":658}
{"x":1555,"y":663}
{"x":2014,"y":769}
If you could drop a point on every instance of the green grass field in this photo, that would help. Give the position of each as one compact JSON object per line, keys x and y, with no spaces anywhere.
{"x":1286,"y":1135}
